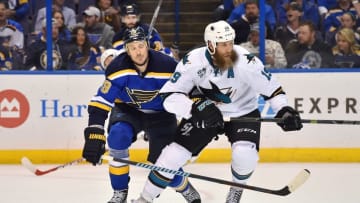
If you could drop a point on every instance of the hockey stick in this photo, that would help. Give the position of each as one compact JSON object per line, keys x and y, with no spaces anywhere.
{"x":31,"y":167}
{"x":153,"y":20}
{"x":291,"y":187}
{"x":311,"y":121}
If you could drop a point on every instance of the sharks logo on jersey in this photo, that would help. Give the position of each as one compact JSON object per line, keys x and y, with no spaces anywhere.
{"x":250,"y":58}
{"x":140,"y":96}
{"x":215,"y":93}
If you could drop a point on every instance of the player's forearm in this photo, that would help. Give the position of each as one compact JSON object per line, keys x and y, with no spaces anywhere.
{"x":278,"y":102}
{"x":178,"y":104}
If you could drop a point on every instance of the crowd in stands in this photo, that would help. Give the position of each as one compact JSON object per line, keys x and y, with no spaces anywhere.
{"x":299,"y":33}
{"x":311,"y":33}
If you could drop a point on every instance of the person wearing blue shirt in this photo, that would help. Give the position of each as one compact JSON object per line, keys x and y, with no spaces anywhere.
{"x":240,"y":10}
{"x":309,"y":8}
{"x":332,"y":19}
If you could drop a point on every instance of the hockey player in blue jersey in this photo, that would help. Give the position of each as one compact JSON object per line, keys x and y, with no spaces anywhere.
{"x":211,"y":82}
{"x":130,"y":17}
{"x":130,"y":91}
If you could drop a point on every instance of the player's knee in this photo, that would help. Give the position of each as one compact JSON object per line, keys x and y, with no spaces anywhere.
{"x":244,"y":159}
{"x":173,"y":157}
{"x":120,"y":136}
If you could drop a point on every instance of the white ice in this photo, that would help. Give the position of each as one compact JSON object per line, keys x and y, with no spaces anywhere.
{"x":328,"y":183}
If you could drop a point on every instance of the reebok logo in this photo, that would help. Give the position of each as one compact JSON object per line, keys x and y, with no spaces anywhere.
{"x":14,"y":108}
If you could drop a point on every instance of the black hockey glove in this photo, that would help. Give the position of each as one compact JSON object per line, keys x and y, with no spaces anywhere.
{"x":290,"y":119}
{"x":206,"y":115}
{"x":94,"y":146}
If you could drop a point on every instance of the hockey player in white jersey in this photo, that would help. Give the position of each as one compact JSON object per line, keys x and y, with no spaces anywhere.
{"x":210,"y":83}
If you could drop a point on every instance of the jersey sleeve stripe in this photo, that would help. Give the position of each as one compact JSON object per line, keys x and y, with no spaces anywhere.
{"x":122,"y":73}
{"x":100,"y":105}
{"x":158,"y":75}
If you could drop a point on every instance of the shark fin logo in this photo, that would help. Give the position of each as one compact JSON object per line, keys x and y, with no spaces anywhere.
{"x":14,"y":108}
{"x":215,"y":94}
{"x":250,"y":58}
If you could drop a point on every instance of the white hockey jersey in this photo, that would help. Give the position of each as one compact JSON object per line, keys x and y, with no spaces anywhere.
{"x":235,"y":90}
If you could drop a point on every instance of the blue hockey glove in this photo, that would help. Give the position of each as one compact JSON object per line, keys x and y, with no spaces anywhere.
{"x":94,"y":146}
{"x":290,"y":119}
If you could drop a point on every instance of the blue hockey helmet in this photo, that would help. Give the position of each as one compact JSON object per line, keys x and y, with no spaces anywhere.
{"x":134,"y":34}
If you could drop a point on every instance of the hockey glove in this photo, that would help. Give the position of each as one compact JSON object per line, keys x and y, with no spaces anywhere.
{"x":290,"y":119}
{"x":94,"y":146}
{"x":206,"y":115}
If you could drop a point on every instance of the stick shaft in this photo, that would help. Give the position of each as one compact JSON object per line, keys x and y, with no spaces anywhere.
{"x":310,"y":121}
{"x":153,"y":20}
{"x":29,"y":165}
{"x":282,"y":192}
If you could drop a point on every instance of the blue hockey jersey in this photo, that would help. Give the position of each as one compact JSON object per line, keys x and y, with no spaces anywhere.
{"x":125,"y":84}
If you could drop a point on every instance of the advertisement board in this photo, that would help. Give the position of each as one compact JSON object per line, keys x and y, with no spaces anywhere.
{"x":46,"y":114}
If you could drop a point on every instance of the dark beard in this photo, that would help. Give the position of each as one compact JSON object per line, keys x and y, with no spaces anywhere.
{"x":223,"y":64}
{"x":252,"y":19}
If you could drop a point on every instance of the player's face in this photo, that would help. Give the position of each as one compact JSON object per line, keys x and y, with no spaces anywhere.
{"x":130,"y":20}
{"x":138,"y":52}
{"x":224,"y":56}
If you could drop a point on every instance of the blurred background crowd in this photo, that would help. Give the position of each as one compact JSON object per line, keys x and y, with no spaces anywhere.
{"x":299,"y":33}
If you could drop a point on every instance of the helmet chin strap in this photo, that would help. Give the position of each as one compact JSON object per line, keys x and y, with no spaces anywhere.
{"x":212,"y":52}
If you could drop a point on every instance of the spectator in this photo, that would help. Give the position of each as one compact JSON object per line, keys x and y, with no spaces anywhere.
{"x":239,"y":10}
{"x":36,"y":52}
{"x":309,"y":11}
{"x":332,"y":19}
{"x":6,"y":61}
{"x":10,"y":36}
{"x":64,"y":32}
{"x":347,"y":50}
{"x":242,"y":25}
{"x":287,"y":32}
{"x":274,"y":54}
{"x":130,"y":17}
{"x":85,"y":56}
{"x":68,"y":13}
{"x":326,"y":5}
{"x":348,"y":20}
{"x":17,"y":9}
{"x":222,"y":12}
{"x":308,"y":51}
{"x":100,"y":34}
{"x":109,"y":14}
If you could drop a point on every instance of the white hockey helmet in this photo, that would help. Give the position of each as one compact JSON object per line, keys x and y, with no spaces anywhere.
{"x":219,"y":31}
{"x":106,"y":54}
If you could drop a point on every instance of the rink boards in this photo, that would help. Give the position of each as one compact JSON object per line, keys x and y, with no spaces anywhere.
{"x":43,"y":115}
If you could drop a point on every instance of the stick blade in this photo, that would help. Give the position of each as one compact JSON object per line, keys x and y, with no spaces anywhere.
{"x":300,"y":179}
{"x":27,"y":164}
{"x":294,"y":184}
